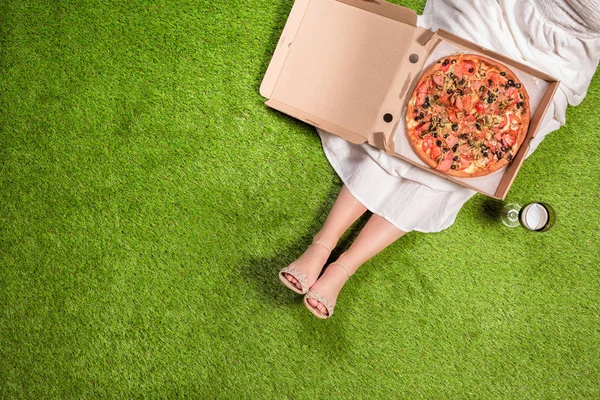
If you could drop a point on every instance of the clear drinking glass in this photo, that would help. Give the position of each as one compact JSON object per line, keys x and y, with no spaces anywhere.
{"x":536,"y":216}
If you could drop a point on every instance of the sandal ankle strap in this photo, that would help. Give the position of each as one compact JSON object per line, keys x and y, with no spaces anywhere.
{"x":343,"y":266}
{"x":324,"y":245}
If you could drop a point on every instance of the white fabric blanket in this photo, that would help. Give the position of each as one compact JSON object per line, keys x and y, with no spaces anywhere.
{"x":414,"y":199}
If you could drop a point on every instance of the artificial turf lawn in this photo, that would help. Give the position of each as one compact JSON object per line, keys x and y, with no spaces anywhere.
{"x":148,"y":199}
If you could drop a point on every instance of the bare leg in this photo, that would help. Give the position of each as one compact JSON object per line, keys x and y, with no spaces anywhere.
{"x":345,"y":211}
{"x":376,"y":235}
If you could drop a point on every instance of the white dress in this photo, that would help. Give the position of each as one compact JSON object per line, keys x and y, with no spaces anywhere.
{"x":561,"y":38}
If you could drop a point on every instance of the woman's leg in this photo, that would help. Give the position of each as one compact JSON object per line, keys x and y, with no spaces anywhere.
{"x":376,"y":235}
{"x":345,"y":211}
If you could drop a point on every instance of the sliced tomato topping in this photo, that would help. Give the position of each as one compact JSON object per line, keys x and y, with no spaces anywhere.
{"x":479,"y":107}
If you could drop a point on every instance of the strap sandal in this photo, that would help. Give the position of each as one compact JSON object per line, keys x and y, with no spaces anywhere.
{"x":299,"y":276}
{"x":321,"y":299}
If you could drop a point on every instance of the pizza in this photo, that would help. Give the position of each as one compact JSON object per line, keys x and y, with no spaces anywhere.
{"x":467,"y":116}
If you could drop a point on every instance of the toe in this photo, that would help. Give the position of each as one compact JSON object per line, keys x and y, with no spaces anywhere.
{"x":322,"y":308}
{"x":318,"y":305}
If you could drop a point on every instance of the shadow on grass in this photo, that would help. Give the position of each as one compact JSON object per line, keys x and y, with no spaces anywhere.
{"x":490,"y":210}
{"x":262,"y":273}
{"x":283,"y":10}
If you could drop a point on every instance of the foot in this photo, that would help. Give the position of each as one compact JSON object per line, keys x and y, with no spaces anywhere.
{"x":327,"y":288}
{"x":309,"y":265}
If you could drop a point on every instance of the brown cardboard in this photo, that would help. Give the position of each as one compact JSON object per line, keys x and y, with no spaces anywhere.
{"x":349,"y":67}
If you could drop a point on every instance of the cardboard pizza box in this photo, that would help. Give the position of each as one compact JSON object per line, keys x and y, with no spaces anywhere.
{"x":349,"y":67}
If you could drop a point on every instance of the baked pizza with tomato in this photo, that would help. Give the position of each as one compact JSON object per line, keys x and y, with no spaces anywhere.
{"x":467,"y":116}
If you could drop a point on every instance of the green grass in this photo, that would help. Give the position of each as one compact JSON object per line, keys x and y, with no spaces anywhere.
{"x":148,"y":199}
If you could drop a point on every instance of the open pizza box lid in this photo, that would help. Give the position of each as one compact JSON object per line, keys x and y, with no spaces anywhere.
{"x":349,"y":67}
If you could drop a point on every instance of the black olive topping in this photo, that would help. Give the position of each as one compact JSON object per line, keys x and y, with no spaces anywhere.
{"x":462,"y":136}
{"x":455,"y":147}
{"x":509,"y":157}
{"x":503,"y":73}
{"x":426,"y":106}
{"x":449,"y":91}
{"x":446,"y":135}
{"x":471,"y":70}
{"x":520,"y":104}
{"x":490,"y":100}
{"x":445,"y":149}
{"x":510,"y":82}
{"x":485,"y":153}
{"x":453,"y":167}
{"x":462,"y":81}
{"x":477,"y":126}
{"x":518,"y":85}
{"x":503,"y":148}
{"x":435,"y":135}
{"x":439,"y":61}
{"x":482,"y":88}
{"x":455,"y":158}
{"x":490,"y":82}
{"x":416,"y":118}
{"x":421,"y":115}
{"x":454,"y":127}
{"x":483,"y":147}
{"x":453,"y":61}
{"x":438,"y":142}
